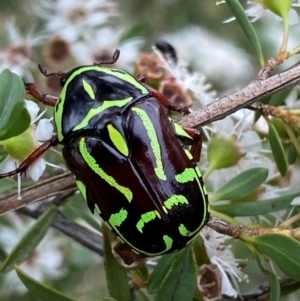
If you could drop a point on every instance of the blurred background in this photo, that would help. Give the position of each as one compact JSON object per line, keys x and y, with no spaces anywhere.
{"x":63,"y":34}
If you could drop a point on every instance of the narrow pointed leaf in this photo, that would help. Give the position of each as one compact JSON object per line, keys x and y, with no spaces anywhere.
{"x":256,"y":207}
{"x":12,"y":106}
{"x":283,"y":250}
{"x":160,"y":272}
{"x":3,"y":155}
{"x":181,"y":281}
{"x":247,"y":27}
{"x":116,"y":275}
{"x":30,"y":240}
{"x":242,"y":184}
{"x":277,"y":150}
{"x":40,"y":290}
{"x":107,"y":299}
{"x":273,"y":280}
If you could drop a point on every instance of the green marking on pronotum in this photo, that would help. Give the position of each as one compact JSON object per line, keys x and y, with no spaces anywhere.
{"x":118,"y":140}
{"x":126,"y":77}
{"x":114,"y":72}
{"x":175,"y":200}
{"x":116,"y":219}
{"x":92,"y":163}
{"x":159,"y":170}
{"x":95,"y":111}
{"x":88,"y":89}
{"x":146,"y":218}
{"x":183,"y":230}
{"x":81,"y":188}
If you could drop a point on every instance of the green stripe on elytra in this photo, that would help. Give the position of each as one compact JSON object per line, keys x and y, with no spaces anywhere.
{"x":88,"y":89}
{"x":114,"y":72}
{"x":146,"y":218}
{"x":183,"y":230}
{"x":95,"y":111}
{"x":159,"y":170}
{"x":189,"y":175}
{"x":116,"y":219}
{"x":92,"y":163}
{"x":175,"y":200}
{"x":118,"y":140}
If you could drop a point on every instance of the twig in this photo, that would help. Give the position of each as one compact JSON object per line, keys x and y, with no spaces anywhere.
{"x":237,"y":231}
{"x":266,"y":110}
{"x":255,"y":91}
{"x":88,"y":238}
{"x":261,"y":292}
{"x":38,"y":192}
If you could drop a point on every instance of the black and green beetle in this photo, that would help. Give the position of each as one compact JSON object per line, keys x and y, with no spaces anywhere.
{"x":128,"y":158}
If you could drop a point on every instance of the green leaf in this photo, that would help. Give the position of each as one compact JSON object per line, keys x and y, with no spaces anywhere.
{"x":7,"y":185}
{"x":3,"y":155}
{"x":116,"y":275}
{"x":12,"y":106}
{"x":39,"y":289}
{"x":242,"y":184}
{"x":3,"y":254}
{"x":106,"y":298}
{"x":292,"y":154}
{"x":247,"y":27}
{"x":256,"y":207}
{"x":277,"y":150}
{"x":181,"y":281}
{"x":30,"y":240}
{"x":160,"y":272}
{"x":283,"y":250}
{"x":273,"y":280}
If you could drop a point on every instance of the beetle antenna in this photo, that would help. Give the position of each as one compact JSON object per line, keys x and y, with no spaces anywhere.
{"x":45,"y":73}
{"x":110,"y":62}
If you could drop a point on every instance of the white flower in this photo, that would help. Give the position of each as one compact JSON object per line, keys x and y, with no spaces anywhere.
{"x":102,"y":44}
{"x":71,"y":19}
{"x":194,"y":82}
{"x":222,"y":256}
{"x":238,"y":126}
{"x":46,"y":261}
{"x":18,"y":52}
{"x":213,"y":56}
{"x":42,"y":132}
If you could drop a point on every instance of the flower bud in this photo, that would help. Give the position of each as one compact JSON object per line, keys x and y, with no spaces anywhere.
{"x":21,"y":146}
{"x":222,"y":153}
{"x":279,"y":7}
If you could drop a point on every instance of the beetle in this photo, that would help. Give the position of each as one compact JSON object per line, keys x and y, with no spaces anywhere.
{"x":128,"y":158}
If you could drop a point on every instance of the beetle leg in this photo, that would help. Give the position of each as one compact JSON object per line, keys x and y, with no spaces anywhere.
{"x":160,"y":97}
{"x":32,"y":157}
{"x":46,"y":99}
{"x":165,"y":101}
{"x":141,"y":78}
{"x":197,"y":142}
{"x":46,"y":74}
